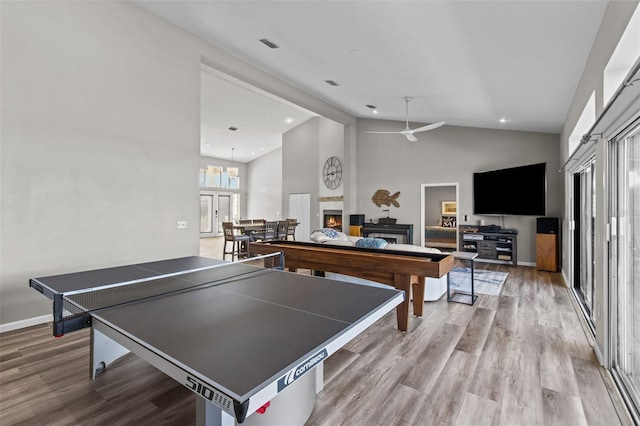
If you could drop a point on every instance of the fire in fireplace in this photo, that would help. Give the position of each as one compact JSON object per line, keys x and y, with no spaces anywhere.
{"x":332,"y":219}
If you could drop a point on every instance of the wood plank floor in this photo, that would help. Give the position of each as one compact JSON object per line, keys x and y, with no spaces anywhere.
{"x":520,"y":358}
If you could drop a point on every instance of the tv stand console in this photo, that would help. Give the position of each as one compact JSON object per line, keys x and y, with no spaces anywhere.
{"x":500,"y":245}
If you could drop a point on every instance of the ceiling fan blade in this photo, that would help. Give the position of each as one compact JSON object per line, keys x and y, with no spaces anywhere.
{"x":388,"y":133}
{"x":429,"y":127}
{"x":411,"y":137}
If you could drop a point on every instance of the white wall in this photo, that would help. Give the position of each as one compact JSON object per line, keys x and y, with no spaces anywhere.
{"x":330,"y":144}
{"x":100,"y":143}
{"x":100,"y":140}
{"x":264,"y":180}
{"x":300,"y":161}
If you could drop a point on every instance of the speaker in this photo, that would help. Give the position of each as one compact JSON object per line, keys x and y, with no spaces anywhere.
{"x":548,"y":244}
{"x":356,"y":219}
{"x":547,"y":225}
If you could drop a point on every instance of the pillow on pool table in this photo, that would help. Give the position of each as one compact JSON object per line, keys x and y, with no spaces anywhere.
{"x":327,"y":234}
{"x":371,"y":243}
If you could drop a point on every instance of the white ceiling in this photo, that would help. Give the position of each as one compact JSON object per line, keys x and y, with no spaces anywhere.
{"x":468,"y":63}
{"x":260,"y":118}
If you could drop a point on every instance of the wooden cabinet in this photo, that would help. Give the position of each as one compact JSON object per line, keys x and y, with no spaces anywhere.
{"x":547,"y":252}
{"x":497,"y":246}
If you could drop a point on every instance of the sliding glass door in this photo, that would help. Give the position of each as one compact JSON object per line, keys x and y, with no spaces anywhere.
{"x":584,"y":197}
{"x":624,"y":262}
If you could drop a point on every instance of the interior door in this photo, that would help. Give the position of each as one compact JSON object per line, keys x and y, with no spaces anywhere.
{"x":300,"y":209}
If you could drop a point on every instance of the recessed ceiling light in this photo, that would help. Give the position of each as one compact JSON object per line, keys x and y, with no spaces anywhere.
{"x":207,"y":144}
{"x":262,"y":148}
{"x":331,"y":83}
{"x":289,"y":120}
{"x":375,"y":111}
{"x":269,"y":43}
{"x":253,"y":153}
{"x":502,"y":120}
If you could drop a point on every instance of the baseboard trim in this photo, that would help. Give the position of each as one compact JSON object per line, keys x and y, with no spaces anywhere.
{"x":25,"y":323}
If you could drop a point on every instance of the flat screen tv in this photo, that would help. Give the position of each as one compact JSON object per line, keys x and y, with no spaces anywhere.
{"x":513,"y":191}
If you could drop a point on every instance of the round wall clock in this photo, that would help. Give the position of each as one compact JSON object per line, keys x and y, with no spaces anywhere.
{"x":332,"y":173}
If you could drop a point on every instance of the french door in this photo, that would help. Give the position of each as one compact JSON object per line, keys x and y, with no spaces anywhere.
{"x":215,"y":208}
{"x":624,"y":263}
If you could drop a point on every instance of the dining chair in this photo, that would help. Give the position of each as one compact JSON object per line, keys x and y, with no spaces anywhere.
{"x":238,"y":242}
{"x":282,"y":229}
{"x":291,"y":229}
{"x":270,"y":230}
{"x":265,"y":232}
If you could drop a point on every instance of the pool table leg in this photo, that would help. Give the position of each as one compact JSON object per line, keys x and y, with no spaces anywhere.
{"x":403,"y":282}
{"x":418,"y":294}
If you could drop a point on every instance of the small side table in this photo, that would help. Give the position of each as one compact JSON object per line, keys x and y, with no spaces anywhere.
{"x":466,"y":297}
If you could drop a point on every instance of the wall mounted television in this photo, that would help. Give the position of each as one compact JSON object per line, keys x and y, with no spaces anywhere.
{"x":513,"y":191}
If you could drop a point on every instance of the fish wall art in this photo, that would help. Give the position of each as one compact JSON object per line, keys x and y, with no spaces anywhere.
{"x":382,"y":196}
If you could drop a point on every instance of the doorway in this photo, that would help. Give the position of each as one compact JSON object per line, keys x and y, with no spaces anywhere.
{"x":439,"y":216}
{"x":215,"y":208}
{"x":584,"y":217}
{"x":299,"y":209}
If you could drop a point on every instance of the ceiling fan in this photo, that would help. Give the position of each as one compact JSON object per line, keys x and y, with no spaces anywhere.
{"x":407,"y":131}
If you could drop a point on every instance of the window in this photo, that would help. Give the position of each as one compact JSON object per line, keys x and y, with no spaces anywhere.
{"x":219,"y":177}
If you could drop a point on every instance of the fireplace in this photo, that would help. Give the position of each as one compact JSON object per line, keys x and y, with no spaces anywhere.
{"x":393,"y":233}
{"x":332,"y":219}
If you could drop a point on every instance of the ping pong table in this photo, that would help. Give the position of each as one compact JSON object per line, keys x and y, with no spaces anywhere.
{"x":241,"y":337}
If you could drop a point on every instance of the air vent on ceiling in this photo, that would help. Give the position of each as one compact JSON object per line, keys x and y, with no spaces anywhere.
{"x":370,"y":106}
{"x":331,"y":83}
{"x":233,"y":129}
{"x":269,"y":43}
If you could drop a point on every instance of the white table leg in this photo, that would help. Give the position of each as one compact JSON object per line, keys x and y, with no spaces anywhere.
{"x":208,"y":414}
{"x":104,"y":351}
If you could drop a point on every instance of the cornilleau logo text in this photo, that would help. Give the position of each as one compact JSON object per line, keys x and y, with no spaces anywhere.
{"x":295,"y":373}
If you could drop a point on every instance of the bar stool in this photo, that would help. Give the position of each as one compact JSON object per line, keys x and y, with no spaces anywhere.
{"x":238,"y":242}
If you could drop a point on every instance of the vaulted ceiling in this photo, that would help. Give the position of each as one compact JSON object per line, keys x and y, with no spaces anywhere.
{"x":469,"y":63}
